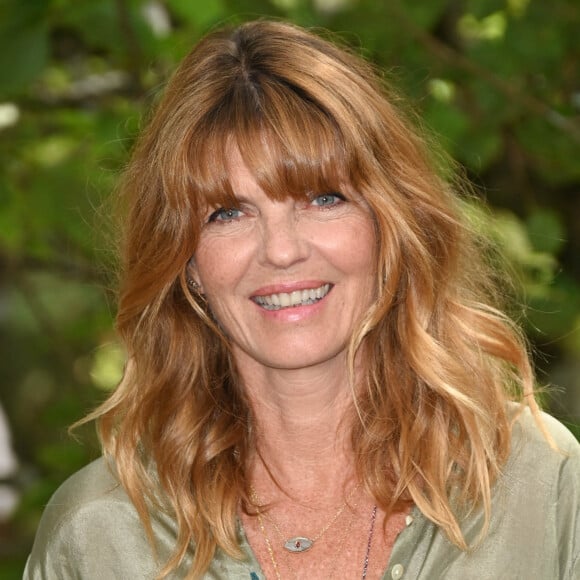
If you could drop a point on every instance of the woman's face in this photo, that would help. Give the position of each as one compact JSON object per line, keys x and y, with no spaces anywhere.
{"x":289,"y":280}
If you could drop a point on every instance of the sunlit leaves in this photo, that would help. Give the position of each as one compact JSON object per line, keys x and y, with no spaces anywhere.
{"x":492,"y":27}
{"x":441,"y":89}
{"x":9,"y":115}
{"x":107,"y":366}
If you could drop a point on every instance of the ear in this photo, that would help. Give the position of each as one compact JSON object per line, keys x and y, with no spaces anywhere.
{"x":193,"y":274}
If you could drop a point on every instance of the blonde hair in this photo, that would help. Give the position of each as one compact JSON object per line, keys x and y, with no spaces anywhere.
{"x":439,"y":361}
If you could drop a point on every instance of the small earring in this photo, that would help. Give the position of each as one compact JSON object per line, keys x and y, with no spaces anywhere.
{"x":193,"y":285}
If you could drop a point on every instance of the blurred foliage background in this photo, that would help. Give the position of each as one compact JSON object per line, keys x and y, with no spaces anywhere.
{"x":496,"y":80}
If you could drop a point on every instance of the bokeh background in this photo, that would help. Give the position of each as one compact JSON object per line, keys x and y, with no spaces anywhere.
{"x":497,"y":82}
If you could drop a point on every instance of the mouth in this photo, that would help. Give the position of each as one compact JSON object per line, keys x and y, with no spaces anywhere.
{"x":292,"y":299}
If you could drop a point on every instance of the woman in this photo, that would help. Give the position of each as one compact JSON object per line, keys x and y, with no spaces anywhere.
{"x":317,"y":386}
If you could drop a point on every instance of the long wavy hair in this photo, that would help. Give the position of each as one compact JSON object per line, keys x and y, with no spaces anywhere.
{"x":439,"y":360}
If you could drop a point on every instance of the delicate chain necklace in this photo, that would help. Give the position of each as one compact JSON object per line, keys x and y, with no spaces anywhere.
{"x":339,"y":545}
{"x":299,"y":544}
{"x":269,"y":545}
{"x":369,"y":542}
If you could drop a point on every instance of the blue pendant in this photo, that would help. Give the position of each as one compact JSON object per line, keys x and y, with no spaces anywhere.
{"x":298,"y":544}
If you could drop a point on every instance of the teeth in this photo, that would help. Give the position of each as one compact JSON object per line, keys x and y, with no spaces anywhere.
{"x":292,"y":299}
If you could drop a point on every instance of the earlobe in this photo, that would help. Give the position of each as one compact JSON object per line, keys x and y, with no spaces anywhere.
{"x":193,"y":281}
{"x":194,"y":286}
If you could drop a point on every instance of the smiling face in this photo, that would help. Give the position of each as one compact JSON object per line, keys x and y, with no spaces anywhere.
{"x":288,"y":280}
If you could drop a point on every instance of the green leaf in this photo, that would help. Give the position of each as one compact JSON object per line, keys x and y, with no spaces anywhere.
{"x":23,"y":44}
{"x":479,"y":147}
{"x":107,"y":366}
{"x":199,"y":14}
{"x":448,"y":121}
{"x":554,"y":152}
{"x":546,"y":230}
{"x":552,"y":316}
{"x":424,"y":14}
{"x":65,"y":456}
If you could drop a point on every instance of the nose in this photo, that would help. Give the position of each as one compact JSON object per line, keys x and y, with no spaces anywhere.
{"x":284,"y":241}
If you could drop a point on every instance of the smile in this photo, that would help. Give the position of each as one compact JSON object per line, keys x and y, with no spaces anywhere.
{"x":292,"y":299}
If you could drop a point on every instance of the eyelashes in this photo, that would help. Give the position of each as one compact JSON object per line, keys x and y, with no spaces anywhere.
{"x":225,"y":214}
{"x":328,"y":199}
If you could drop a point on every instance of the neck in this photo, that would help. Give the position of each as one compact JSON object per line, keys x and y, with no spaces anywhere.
{"x":302,"y":427}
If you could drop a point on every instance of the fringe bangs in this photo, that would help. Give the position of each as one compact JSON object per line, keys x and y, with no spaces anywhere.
{"x":291,"y":147}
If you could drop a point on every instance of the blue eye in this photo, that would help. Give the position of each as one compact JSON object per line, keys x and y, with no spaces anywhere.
{"x":328,"y":199}
{"x":225,"y":214}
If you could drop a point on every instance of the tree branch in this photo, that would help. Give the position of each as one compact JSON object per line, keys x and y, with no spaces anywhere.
{"x":446,"y":53}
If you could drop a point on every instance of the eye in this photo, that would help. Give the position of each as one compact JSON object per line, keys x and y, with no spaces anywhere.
{"x":225,"y":214}
{"x":328,"y":199}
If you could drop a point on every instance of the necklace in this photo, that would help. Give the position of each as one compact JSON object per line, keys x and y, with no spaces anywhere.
{"x":298,"y":544}
{"x":339,"y":545}
{"x":369,"y":542}
{"x":269,"y":545}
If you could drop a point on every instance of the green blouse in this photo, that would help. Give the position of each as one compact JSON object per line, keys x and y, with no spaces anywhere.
{"x":91,"y":531}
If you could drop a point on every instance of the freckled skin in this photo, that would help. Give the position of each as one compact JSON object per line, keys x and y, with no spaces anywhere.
{"x":263,"y":244}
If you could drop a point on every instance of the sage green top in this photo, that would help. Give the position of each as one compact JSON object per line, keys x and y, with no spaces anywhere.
{"x":91,"y":531}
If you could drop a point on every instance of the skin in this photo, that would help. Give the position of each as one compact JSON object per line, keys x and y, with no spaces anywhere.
{"x":265,"y":247}
{"x":292,"y":361}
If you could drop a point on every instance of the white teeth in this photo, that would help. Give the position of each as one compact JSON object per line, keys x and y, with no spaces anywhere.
{"x":291,"y":299}
{"x":295,"y":298}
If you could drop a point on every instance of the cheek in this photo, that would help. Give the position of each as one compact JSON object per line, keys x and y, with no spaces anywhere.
{"x":219,"y":264}
{"x":365,"y":242}
{"x":354,"y":248}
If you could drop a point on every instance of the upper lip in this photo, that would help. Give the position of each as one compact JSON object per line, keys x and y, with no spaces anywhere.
{"x":288,"y":287}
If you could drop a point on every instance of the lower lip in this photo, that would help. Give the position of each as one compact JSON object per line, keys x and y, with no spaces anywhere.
{"x":294,"y":313}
